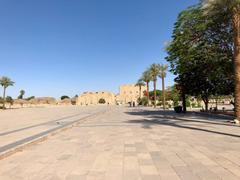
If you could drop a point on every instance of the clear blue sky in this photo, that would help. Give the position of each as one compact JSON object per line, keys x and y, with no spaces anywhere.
{"x":56,"y":47}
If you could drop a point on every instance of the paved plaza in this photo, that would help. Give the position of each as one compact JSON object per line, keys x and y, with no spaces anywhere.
{"x":122,"y":143}
{"x":19,"y":124}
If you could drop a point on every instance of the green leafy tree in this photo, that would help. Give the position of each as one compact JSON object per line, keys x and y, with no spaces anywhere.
{"x":154,"y":71}
{"x":215,"y":8}
{"x":158,"y":94}
{"x":22,"y":93}
{"x":143,"y":101}
{"x":201,"y":54}
{"x":162,"y":75}
{"x":64,"y":97}
{"x":174,"y":95}
{"x":146,"y":77}
{"x":5,"y":83}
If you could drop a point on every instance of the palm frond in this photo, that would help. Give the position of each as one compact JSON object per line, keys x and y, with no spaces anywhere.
{"x":163,"y":70}
{"x":154,"y":71}
{"x":146,"y":76}
{"x":5,"y":82}
{"x":140,"y":82}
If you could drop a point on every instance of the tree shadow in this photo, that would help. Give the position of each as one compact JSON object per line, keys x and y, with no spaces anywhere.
{"x":187,"y":117}
{"x":157,"y":118}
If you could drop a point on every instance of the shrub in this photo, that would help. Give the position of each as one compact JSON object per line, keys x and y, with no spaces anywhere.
{"x":143,"y":101}
{"x":178,"y":109}
{"x":9,"y":100}
{"x":29,"y":98}
{"x":101,"y":101}
{"x":175,"y":102}
{"x":199,"y":104}
{"x":194,"y":105}
{"x":1,"y":100}
{"x":188,"y":103}
{"x":64,"y":97}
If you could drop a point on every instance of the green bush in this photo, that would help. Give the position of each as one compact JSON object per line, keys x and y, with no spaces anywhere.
{"x":188,"y":103}
{"x":175,"y":103}
{"x":143,"y":101}
{"x":9,"y":100}
{"x":65,"y":97}
{"x":29,"y":98}
{"x":194,"y":105}
{"x":199,"y":104}
{"x":178,"y":109}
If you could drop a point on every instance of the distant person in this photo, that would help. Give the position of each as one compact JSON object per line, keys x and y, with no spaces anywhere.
{"x":134,"y":104}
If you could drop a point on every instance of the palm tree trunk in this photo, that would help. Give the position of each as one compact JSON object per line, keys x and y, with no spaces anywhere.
{"x":4,"y":98}
{"x":147,"y":93}
{"x":163,"y":93}
{"x":155,"y":92}
{"x":236,"y":27}
{"x":140,"y":91}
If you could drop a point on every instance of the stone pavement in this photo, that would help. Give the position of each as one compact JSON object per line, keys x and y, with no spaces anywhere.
{"x":19,"y":126}
{"x":132,"y":144}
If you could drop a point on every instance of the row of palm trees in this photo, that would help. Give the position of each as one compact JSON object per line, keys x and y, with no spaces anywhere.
{"x":151,"y":74}
{"x":5,"y":82}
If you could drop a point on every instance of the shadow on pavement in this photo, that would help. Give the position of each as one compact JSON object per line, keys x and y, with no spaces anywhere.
{"x":170,"y":118}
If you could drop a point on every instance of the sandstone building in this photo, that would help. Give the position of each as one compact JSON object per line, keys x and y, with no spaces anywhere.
{"x":127,"y":93}
{"x":92,"y":98}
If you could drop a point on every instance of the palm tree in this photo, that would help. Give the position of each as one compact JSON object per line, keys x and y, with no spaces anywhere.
{"x":140,"y":83}
{"x":5,"y":83}
{"x":154,"y":71}
{"x":146,"y":77}
{"x":233,"y":6}
{"x":162,"y":74}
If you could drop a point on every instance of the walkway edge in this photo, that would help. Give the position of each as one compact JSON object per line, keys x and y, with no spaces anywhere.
{"x":22,"y":144}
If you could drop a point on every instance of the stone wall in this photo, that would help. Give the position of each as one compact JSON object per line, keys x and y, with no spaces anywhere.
{"x":92,"y":98}
{"x":130,"y":93}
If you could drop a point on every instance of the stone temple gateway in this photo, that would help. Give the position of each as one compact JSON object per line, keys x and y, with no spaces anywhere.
{"x":127,"y":93}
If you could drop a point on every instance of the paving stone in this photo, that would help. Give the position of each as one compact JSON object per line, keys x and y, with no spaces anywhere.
{"x":185,"y":173}
{"x":148,"y":170}
{"x":150,"y":177}
{"x":75,"y":177}
{"x":143,"y":162}
{"x":121,"y":145}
